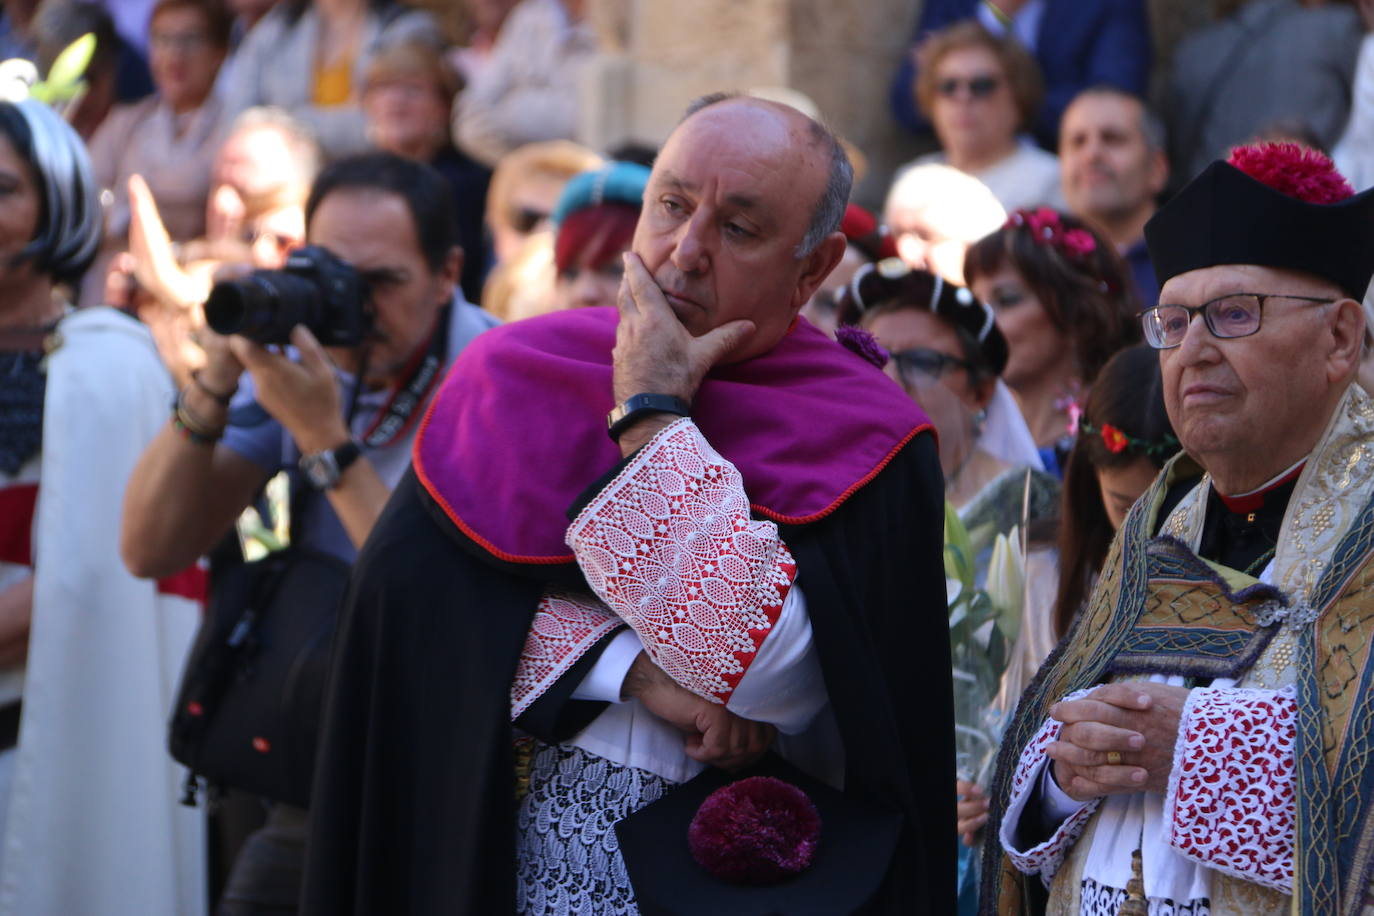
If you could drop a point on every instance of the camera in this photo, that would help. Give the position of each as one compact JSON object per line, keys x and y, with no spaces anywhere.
{"x":314,"y":288}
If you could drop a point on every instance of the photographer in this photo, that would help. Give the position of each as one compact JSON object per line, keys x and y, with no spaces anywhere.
{"x":388,"y":221}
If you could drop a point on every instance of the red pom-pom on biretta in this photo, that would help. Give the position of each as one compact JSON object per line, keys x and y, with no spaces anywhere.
{"x":758,"y":830}
{"x":1293,"y":169}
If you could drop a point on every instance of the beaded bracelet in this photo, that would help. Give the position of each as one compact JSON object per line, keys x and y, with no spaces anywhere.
{"x":190,"y":434}
{"x":222,"y":399}
{"x":191,"y":426}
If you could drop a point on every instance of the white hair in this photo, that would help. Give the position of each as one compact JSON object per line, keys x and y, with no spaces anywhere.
{"x":70,"y":230}
{"x":952,"y":203}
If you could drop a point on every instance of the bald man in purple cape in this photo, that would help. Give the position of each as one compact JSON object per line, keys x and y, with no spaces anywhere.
{"x":754,"y":561}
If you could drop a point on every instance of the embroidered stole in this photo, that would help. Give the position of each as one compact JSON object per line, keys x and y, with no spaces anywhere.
{"x":1159,"y":609}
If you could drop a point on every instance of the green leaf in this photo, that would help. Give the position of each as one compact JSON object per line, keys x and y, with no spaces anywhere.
{"x":70,"y":65}
{"x":958,"y":545}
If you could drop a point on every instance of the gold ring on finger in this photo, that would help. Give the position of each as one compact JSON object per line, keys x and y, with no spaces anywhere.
{"x":1114,"y":758}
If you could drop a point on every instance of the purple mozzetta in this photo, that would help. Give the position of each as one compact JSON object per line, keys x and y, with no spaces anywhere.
{"x":518,"y":430}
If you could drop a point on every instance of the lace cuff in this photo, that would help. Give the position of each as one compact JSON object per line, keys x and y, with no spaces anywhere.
{"x":671,"y":548}
{"x":563,"y":629}
{"x":1230,"y":804}
{"x":1043,"y":858}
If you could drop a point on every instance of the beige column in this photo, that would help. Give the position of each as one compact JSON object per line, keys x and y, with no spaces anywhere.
{"x":661,"y":54}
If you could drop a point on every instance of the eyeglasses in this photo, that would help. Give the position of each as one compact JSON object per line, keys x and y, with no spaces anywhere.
{"x":979,"y":87}
{"x":1236,"y":315}
{"x":186,"y":42}
{"x":922,"y":365}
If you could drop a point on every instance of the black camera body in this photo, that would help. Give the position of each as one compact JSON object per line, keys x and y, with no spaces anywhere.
{"x":315,"y":288}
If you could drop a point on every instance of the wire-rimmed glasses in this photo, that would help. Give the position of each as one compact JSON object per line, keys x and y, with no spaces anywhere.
{"x":1232,"y":315}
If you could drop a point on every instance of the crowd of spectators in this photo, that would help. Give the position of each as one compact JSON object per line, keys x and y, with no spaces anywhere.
{"x":1003,"y":274}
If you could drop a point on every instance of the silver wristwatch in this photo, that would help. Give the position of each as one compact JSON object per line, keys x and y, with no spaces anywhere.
{"x":323,"y":469}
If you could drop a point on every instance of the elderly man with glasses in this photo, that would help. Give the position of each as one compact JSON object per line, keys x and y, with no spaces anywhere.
{"x":1200,"y":742}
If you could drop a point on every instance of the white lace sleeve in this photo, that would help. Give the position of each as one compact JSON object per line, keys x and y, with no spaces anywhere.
{"x":1023,"y":819}
{"x":1230,"y":804}
{"x":672,"y":549}
{"x":564,"y":628}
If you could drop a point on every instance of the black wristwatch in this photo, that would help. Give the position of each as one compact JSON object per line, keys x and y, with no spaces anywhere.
{"x":323,"y":469}
{"x":637,"y":405}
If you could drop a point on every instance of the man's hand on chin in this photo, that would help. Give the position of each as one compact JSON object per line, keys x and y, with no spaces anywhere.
{"x":655,"y":354}
{"x":714,"y":735}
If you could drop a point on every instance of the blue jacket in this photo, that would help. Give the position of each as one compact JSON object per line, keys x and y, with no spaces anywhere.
{"x":1081,"y":43}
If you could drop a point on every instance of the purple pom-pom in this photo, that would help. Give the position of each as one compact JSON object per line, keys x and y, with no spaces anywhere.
{"x":863,"y":343}
{"x":758,"y":830}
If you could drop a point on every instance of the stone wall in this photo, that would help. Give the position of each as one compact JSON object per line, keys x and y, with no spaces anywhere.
{"x":841,"y":53}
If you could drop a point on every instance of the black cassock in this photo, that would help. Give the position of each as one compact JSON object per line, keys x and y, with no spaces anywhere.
{"x":414,"y":800}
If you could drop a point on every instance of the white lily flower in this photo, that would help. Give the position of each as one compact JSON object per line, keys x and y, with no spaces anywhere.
{"x":1006,"y":582}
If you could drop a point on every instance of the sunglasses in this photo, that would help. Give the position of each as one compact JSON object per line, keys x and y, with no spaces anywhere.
{"x":524,"y":220}
{"x":979,"y":87}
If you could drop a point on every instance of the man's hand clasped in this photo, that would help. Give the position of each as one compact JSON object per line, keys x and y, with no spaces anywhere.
{"x":1118,"y":739}
{"x":655,"y":354}
{"x":714,"y":735}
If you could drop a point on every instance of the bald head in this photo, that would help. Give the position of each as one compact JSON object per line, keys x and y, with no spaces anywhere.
{"x":803,"y":131}
{"x":740,"y":216}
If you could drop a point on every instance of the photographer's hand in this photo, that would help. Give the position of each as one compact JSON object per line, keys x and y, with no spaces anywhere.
{"x":302,"y":396}
{"x":655,"y":354}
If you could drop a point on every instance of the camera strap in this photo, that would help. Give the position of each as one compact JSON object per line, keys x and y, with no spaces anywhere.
{"x":420,"y":376}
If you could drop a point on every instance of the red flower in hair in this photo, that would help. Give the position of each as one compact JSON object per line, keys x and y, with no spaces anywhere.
{"x":1078,"y":242}
{"x":1044,"y":224}
{"x":1114,"y":439}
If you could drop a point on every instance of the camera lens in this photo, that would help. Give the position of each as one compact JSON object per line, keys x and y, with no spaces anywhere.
{"x":264,"y":306}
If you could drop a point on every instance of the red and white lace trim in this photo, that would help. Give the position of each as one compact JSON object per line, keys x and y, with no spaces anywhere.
{"x":1230,"y":803}
{"x":670,"y":546}
{"x":564,"y":628}
{"x":1045,"y":858}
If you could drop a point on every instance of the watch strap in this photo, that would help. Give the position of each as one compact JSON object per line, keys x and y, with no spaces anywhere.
{"x":323,"y":469}
{"x":638,"y":405}
{"x":346,"y":454}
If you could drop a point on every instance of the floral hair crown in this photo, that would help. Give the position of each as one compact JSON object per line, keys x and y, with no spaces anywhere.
{"x":1117,"y":441}
{"x":1047,"y":228}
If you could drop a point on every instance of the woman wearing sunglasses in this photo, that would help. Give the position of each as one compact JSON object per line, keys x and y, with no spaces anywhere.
{"x":948,"y":353}
{"x":980,"y":91}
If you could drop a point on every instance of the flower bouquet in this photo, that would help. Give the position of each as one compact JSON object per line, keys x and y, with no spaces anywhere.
{"x":983,"y":624}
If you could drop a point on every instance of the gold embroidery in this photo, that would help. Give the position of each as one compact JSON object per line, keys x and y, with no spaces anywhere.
{"x":1275,"y":668}
{"x":1235,"y":897}
{"x":1329,"y":493}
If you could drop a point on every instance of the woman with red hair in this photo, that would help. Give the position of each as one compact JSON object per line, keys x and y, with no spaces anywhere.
{"x":595,"y":219}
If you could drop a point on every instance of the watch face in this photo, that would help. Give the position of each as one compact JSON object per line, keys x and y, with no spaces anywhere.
{"x":320,"y":469}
